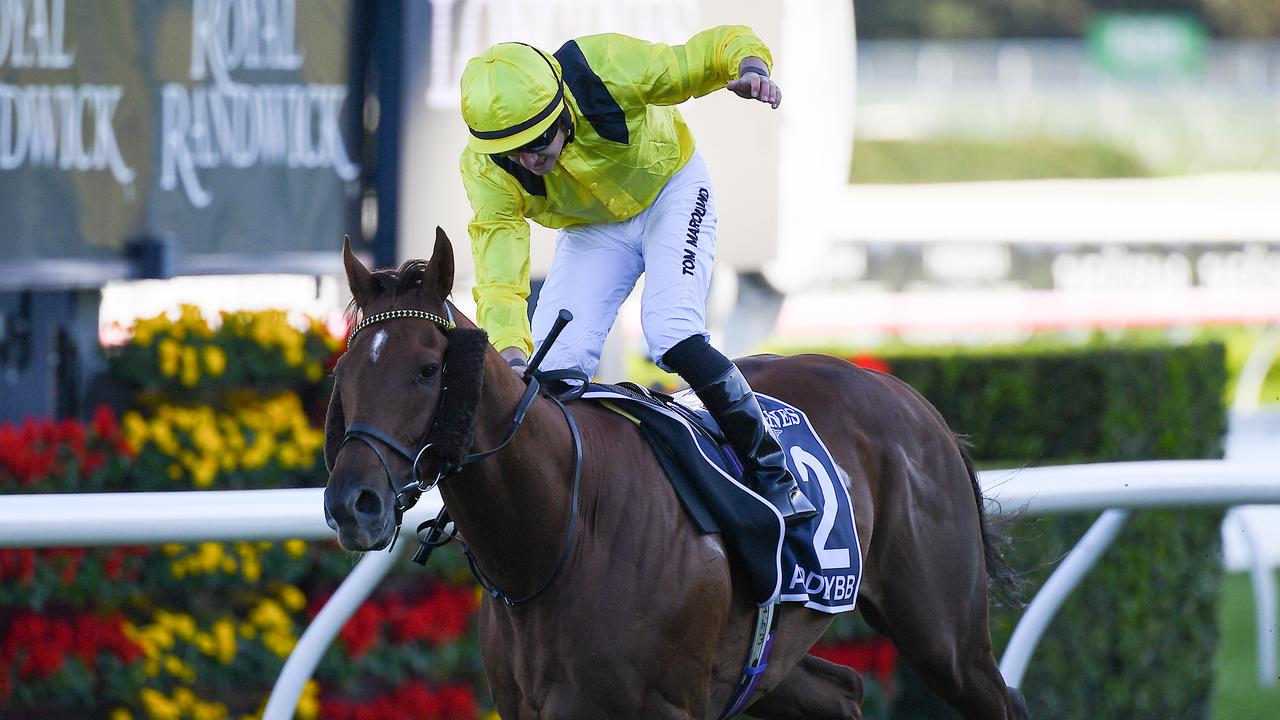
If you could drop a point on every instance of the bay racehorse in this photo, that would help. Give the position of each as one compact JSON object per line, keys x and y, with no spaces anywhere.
{"x":630,"y":612}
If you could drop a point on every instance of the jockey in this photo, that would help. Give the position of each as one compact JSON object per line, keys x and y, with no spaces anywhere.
{"x":588,"y":140}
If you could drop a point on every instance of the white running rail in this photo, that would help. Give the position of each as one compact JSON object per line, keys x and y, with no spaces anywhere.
{"x":155,"y":518}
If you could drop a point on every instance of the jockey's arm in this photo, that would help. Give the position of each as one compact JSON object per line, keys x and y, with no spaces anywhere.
{"x":660,"y":74}
{"x":500,"y":248}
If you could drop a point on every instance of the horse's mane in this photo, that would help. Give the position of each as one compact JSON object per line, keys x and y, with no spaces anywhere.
{"x":394,"y":281}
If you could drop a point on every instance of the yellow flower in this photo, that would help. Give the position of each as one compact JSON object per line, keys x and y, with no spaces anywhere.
{"x":144,"y":331}
{"x":158,"y":706}
{"x":175,"y":667}
{"x":205,"y":643}
{"x":224,"y":634}
{"x":182,"y":624}
{"x":205,"y":436}
{"x":121,"y":714}
{"x":211,"y":556}
{"x":169,"y":353}
{"x":190,"y":367}
{"x":309,"y":703}
{"x":268,"y":613}
{"x":280,"y":643}
{"x":162,"y":435}
{"x":295,"y":548}
{"x":251,"y":569}
{"x":205,"y":471}
{"x":289,"y":456}
{"x":215,"y":360}
{"x":209,"y":711}
{"x":191,"y":322}
{"x":292,"y":598}
{"x":135,"y":431}
{"x":184,"y":698}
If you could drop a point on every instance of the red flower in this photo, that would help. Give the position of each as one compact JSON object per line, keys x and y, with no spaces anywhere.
{"x":39,"y":645}
{"x":877,"y":656}
{"x":412,"y":699}
{"x":457,"y":701}
{"x":361,"y":631}
{"x":71,"y":568}
{"x":439,"y":617}
{"x":27,"y":565}
{"x":70,"y":432}
{"x":870,"y":362}
{"x":113,"y":564}
{"x":104,"y":423}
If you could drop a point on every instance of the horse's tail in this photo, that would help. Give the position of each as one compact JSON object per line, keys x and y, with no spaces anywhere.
{"x":1006,"y":584}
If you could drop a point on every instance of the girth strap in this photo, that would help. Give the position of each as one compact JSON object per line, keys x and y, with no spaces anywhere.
{"x":757,"y":660}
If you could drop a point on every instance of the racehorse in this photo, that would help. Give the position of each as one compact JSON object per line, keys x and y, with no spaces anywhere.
{"x":612,"y":605}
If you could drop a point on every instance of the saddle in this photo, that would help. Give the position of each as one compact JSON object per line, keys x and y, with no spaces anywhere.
{"x":817,"y":562}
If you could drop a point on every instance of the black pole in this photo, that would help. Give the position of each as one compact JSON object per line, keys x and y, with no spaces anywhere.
{"x":389,"y":58}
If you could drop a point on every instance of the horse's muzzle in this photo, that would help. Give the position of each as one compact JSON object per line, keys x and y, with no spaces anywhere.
{"x":363,"y":519}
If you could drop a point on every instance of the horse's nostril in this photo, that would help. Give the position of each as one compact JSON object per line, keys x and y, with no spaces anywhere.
{"x":367,"y":503}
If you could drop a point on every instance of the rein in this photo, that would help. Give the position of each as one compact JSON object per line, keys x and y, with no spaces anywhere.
{"x":408,"y":494}
{"x":496,"y":592}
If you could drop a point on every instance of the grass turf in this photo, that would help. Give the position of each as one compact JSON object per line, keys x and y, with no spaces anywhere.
{"x":1236,"y":694}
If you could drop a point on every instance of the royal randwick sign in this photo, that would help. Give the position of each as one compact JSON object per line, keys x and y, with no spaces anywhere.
{"x":226,"y":124}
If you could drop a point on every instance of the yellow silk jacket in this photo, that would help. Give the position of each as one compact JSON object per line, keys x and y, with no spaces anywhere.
{"x":629,"y":139}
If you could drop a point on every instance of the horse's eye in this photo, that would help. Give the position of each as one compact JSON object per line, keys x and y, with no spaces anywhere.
{"x":428,"y":372}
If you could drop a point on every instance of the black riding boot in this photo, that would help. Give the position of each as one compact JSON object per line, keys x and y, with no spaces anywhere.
{"x":729,"y":399}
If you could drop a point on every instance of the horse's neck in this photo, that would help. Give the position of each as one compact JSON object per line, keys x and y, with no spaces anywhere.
{"x":513,"y":507}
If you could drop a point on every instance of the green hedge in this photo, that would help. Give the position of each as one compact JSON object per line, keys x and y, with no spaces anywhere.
{"x":1136,"y":639}
{"x":1081,"y":406}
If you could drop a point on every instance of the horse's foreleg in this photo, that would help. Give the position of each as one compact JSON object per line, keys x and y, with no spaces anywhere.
{"x":814,"y":690}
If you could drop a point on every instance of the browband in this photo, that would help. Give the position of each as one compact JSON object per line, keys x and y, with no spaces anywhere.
{"x":444,"y":323}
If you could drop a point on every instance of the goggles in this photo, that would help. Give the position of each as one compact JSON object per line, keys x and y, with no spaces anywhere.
{"x":538,"y":144}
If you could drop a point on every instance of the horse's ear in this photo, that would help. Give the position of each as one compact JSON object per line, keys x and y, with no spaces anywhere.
{"x":363,"y":286}
{"x":438,"y":279}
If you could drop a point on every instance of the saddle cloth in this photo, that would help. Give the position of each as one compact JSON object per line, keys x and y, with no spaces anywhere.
{"x":817,"y":562}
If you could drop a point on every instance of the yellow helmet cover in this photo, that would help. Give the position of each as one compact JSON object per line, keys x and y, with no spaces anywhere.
{"x":511,"y":94}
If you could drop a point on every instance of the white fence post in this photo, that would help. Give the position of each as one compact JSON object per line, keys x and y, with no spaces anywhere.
{"x":302,"y":662}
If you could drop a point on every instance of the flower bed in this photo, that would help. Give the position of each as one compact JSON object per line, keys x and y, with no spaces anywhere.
{"x":202,"y":631}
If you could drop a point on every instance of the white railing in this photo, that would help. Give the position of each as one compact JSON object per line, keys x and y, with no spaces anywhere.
{"x":154,"y":518}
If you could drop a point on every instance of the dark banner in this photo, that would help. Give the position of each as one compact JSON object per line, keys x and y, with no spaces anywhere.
{"x":229,"y":128}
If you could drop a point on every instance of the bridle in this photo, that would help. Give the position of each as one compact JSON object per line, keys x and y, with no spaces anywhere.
{"x":408,"y":494}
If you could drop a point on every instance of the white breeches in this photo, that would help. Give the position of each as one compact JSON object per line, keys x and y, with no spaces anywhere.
{"x":595,"y":267}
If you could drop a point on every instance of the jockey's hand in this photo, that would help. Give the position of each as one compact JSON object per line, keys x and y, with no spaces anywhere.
{"x":516,"y":359}
{"x":752,"y":85}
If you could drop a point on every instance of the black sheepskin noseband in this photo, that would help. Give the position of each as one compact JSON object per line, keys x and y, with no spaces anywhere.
{"x":453,"y":428}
